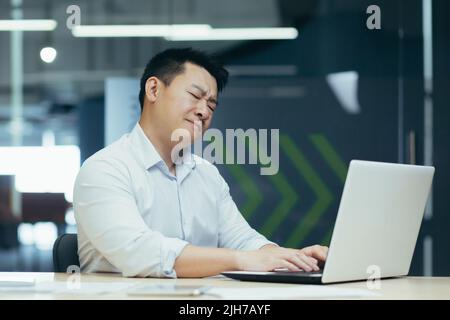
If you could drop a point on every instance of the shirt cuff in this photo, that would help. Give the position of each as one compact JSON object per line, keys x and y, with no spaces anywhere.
{"x":170,"y":250}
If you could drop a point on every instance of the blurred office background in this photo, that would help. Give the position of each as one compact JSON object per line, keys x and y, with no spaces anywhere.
{"x":337,"y":91}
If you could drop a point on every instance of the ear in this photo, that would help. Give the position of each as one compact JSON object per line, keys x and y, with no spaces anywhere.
{"x":152,"y":89}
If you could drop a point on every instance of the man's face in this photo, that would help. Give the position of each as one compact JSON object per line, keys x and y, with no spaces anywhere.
{"x":187,"y":103}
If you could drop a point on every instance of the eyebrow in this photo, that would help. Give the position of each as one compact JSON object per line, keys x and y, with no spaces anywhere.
{"x":203,"y":91}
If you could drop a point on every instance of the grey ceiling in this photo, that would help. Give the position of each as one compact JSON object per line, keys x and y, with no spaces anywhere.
{"x":82,"y":64}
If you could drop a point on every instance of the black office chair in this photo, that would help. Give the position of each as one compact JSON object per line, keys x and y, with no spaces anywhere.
{"x":65,"y":252}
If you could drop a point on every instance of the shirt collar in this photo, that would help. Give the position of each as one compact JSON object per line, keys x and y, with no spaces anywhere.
{"x":149,"y":155}
{"x":144,"y":148}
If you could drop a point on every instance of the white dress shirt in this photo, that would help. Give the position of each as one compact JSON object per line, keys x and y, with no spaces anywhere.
{"x":135,"y":217}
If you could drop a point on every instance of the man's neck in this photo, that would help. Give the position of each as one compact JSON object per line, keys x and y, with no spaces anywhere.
{"x":162,"y":147}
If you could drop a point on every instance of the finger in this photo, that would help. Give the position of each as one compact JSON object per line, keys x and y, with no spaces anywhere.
{"x":308,"y":252}
{"x":313,"y":260}
{"x":324,"y":252}
{"x":310,"y":261}
{"x":318,"y":252}
{"x":290,"y":266}
{"x":302,"y":265}
{"x":301,"y":262}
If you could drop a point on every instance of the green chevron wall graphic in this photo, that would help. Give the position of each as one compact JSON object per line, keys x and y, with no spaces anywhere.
{"x":323,"y":195}
{"x":248,"y":186}
{"x":289,"y":197}
{"x":284,"y":207}
{"x":336,"y":164}
{"x":254,"y":196}
{"x":282,"y":210}
{"x":330,"y":155}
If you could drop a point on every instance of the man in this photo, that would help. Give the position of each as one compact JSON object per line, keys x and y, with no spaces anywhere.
{"x":142,"y":213}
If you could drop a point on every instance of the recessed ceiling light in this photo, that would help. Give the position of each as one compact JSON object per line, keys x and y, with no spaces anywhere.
{"x":48,"y":54}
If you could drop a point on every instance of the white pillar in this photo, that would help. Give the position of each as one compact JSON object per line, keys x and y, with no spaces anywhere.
{"x":16,"y":124}
{"x":427,"y":25}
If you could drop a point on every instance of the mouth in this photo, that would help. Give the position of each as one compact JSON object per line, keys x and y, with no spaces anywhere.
{"x":197,"y":124}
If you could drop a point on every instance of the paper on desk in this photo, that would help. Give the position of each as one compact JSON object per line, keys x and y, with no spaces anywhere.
{"x":300,"y":292}
{"x":95,"y":288}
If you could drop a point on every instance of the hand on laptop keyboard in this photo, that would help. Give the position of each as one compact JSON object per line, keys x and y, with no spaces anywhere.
{"x":273,"y":257}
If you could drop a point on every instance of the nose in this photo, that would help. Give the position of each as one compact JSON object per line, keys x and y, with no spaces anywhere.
{"x":202,"y":110}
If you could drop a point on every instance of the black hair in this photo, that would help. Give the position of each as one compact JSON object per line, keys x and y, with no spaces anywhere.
{"x":167,"y":64}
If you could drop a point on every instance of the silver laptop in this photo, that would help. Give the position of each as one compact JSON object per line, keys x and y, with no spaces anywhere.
{"x":376,"y":228}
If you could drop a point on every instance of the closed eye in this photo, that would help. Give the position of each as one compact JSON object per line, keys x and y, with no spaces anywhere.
{"x":212,"y":108}
{"x":196,"y":97}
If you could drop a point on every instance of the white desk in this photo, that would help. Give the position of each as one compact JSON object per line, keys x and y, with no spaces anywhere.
{"x":400,"y":288}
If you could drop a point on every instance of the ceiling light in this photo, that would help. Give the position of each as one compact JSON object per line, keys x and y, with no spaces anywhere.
{"x":28,"y":25}
{"x":185,"y":32}
{"x":48,"y":54}
{"x":238,"y":34}
{"x":157,"y":30}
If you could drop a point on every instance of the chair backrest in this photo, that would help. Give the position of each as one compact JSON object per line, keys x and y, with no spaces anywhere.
{"x":65,"y":252}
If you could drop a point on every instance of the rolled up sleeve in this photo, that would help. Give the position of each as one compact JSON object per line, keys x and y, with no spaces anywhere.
{"x":106,"y":210}
{"x":234,"y":230}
